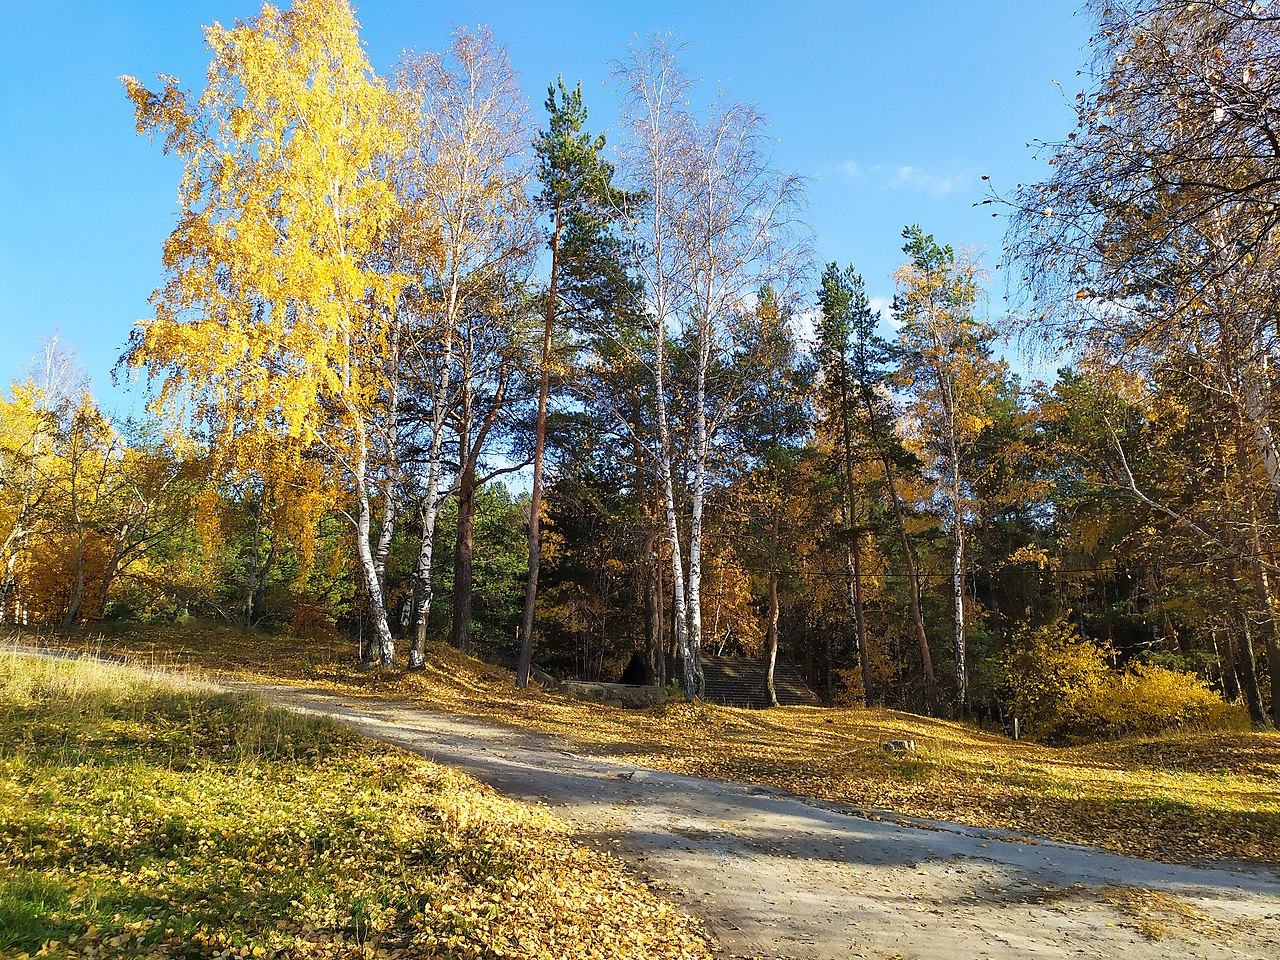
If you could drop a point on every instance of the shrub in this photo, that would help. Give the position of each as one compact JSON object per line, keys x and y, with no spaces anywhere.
{"x":1150,"y":699}
{"x":1064,"y":691}
{"x":1049,"y":678}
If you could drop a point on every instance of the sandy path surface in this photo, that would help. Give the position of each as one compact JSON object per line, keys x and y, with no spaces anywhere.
{"x":775,"y":876}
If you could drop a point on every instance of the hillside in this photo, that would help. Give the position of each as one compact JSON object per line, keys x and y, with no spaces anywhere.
{"x":1183,"y":798}
{"x":151,"y":816}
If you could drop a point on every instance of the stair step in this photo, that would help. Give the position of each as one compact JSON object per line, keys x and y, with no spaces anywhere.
{"x":741,"y":683}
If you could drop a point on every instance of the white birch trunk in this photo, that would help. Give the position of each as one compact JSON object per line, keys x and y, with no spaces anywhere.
{"x":679,"y":611}
{"x":377,"y":608}
{"x":6,"y":588}
{"x":957,"y":587}
{"x":364,"y":549}
{"x":391,"y":435}
{"x":695,"y":523}
{"x":435,"y":469}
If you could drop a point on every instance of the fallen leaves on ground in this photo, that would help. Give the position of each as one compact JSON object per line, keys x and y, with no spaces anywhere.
{"x":143,"y":818}
{"x":1158,"y":915}
{"x":1185,"y":798}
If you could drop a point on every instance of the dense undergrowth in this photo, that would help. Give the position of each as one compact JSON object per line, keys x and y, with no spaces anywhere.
{"x":1187,"y":797}
{"x":1066,"y":691}
{"x":144,"y":815}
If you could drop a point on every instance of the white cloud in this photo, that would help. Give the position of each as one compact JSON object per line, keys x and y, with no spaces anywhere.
{"x":922,"y":181}
{"x":905,"y":177}
{"x":805,"y":324}
{"x":884,"y":305}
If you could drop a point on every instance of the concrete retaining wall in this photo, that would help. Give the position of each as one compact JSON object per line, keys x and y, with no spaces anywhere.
{"x":614,"y":694}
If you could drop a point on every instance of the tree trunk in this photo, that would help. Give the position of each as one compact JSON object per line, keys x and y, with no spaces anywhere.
{"x":772,"y":636}
{"x":913,"y":581}
{"x":391,"y":436}
{"x":539,"y":445}
{"x":1246,"y":668}
{"x":655,"y":648}
{"x":77,"y":595}
{"x":386,"y":531}
{"x":460,"y":627}
{"x":1271,"y":627}
{"x":959,"y":637}
{"x":957,"y":595}
{"x":670,"y":646}
{"x":678,"y":613}
{"x":695,"y":523}
{"x":422,"y":582}
{"x":1222,"y":648}
{"x":108,"y":578}
{"x":6,"y":588}
{"x":853,"y":596}
{"x":853,"y":559}
{"x":259,"y":598}
{"x":373,"y":587}
{"x":255,"y":560}
{"x":1261,"y":581}
{"x":853,"y":549}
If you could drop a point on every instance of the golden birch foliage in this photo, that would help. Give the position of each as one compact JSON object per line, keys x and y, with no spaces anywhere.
{"x":272,"y":319}
{"x":729,"y":613}
{"x":70,"y":536}
{"x":953,"y":370}
{"x":47,"y":573}
{"x":24,"y":423}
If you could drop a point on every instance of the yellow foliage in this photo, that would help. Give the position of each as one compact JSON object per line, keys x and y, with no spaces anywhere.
{"x":1064,"y":691}
{"x":729,"y":616}
{"x":1151,"y":699}
{"x":48,"y":574}
{"x":273,"y":322}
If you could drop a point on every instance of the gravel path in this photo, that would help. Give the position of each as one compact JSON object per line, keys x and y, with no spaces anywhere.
{"x":777,"y":876}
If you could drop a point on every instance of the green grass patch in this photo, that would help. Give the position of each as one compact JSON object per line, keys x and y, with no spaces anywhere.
{"x":153,"y":816}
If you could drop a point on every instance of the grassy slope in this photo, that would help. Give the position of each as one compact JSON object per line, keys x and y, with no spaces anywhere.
{"x":1180,"y":798}
{"x":144,"y":816}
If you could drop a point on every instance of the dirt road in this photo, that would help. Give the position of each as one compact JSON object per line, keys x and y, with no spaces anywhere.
{"x":775,"y":876}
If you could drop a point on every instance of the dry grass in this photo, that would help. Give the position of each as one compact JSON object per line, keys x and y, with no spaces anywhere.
{"x":1186,"y":798}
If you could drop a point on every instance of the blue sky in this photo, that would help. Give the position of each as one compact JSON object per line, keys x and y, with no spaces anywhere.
{"x":892,"y":111}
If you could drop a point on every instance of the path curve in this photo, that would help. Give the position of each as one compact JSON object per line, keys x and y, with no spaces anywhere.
{"x":776,"y":876}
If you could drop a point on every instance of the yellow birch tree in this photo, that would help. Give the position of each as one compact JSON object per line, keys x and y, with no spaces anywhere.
{"x":951,"y":376}
{"x":273,"y":322}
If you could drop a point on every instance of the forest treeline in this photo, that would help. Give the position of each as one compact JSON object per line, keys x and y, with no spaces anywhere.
{"x":388,"y":297}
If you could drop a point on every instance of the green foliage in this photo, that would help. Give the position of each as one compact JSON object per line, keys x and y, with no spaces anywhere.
{"x":500,"y":564}
{"x":25,"y":901}
{"x":855,"y":360}
{"x":1065,"y":691}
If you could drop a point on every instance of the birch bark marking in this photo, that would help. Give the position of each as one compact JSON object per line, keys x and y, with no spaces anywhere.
{"x":466,"y":182}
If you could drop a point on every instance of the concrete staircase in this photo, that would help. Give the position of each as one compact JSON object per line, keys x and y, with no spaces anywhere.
{"x":734,"y":682}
